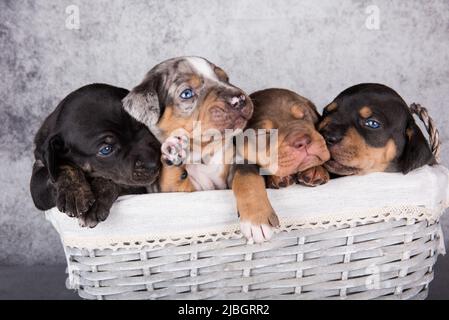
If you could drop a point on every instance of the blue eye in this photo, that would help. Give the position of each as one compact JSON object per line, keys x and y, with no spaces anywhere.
{"x":105,"y":150}
{"x":187,"y":94}
{"x":373,"y":124}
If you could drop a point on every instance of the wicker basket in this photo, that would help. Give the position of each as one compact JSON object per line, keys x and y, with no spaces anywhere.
{"x":371,"y":237}
{"x":154,"y":248}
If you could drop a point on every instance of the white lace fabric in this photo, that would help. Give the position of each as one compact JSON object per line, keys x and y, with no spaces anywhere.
{"x":156,"y":220}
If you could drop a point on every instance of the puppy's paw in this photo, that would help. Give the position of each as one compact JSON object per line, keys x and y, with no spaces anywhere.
{"x":174,"y":150}
{"x":275,"y":182}
{"x":74,"y":199}
{"x":313,"y":177}
{"x":97,"y":213}
{"x":259,"y":230}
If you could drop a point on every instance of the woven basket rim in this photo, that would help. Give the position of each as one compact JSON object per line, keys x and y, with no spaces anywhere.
{"x":227,"y":226}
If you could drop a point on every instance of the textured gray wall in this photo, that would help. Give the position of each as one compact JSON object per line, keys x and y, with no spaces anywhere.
{"x":315,"y":48}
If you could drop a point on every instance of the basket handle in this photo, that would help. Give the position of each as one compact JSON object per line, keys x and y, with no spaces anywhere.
{"x":434,"y":135}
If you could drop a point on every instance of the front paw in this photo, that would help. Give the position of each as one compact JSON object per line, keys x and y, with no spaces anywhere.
{"x":97,"y":213}
{"x":174,"y":150}
{"x":275,"y":182}
{"x":313,"y":177}
{"x":74,"y":199}
{"x":259,"y":228}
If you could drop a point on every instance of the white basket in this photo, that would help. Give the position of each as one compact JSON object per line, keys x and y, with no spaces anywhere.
{"x":370,"y":237}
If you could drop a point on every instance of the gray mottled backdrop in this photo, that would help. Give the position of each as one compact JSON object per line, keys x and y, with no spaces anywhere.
{"x":315,"y":48}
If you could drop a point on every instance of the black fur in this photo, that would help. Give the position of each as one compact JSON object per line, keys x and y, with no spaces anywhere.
{"x":69,"y":171}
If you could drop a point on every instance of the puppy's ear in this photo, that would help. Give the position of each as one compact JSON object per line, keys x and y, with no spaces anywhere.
{"x":417,"y":151}
{"x":144,"y":103}
{"x":221,"y":74}
{"x":51,"y":154}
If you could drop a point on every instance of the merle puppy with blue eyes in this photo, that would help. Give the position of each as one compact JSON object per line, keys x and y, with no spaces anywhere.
{"x":369,"y":128}
{"x":88,"y":152}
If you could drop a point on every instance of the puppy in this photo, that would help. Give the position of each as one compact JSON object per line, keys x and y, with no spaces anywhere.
{"x":369,"y":128}
{"x":188,"y":95}
{"x":301,"y":149}
{"x":88,"y":152}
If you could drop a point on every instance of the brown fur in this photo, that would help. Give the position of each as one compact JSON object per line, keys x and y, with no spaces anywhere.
{"x":324,"y":123}
{"x":366,"y":112}
{"x":252,"y":200}
{"x":292,"y":115}
{"x":170,"y":122}
{"x":358,"y":154}
{"x":331,"y":107}
{"x":173,"y":179}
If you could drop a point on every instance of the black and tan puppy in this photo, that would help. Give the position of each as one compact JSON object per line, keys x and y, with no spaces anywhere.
{"x":369,"y":128}
{"x":88,"y":152}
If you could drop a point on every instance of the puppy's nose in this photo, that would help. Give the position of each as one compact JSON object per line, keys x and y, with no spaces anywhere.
{"x":139,"y":164}
{"x":153,"y":167}
{"x":302,"y":141}
{"x":238,"y":102}
{"x":332,"y":139}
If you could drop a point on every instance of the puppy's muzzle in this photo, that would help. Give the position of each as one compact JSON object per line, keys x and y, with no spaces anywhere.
{"x":312,"y":145}
{"x":332,"y":139}
{"x":238,"y":102}
{"x":145,"y":170}
{"x":301,"y":141}
{"x":332,"y":135}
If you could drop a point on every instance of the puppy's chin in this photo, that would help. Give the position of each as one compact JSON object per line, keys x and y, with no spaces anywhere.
{"x":292,"y":160}
{"x":240,"y":123}
{"x":222,"y":116}
{"x":291,"y":166}
{"x":142,"y":180}
{"x":136,"y":180}
{"x":309,"y":162}
{"x":337,"y":168}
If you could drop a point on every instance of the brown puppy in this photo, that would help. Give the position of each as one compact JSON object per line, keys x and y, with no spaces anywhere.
{"x":299,"y":148}
{"x":369,"y":128}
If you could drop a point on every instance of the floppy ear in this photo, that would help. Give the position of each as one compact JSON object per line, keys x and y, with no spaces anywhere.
{"x":51,"y":153}
{"x":143,"y":103}
{"x":417,"y":151}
